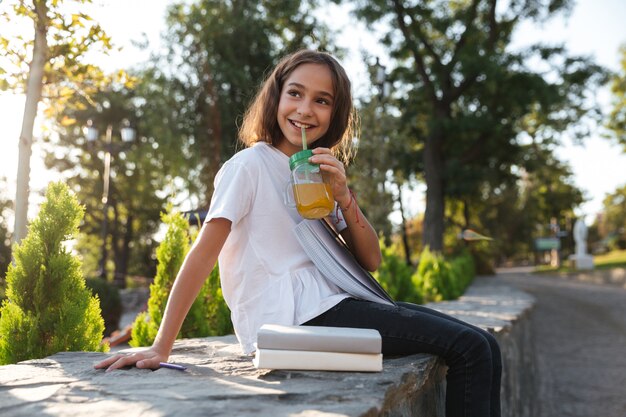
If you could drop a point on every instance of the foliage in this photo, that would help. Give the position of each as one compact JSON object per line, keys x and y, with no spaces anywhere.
{"x":48,"y":308}
{"x":49,"y":66}
{"x":208,"y":315}
{"x":216,"y":55}
{"x":138,"y":171}
{"x":5,"y":239}
{"x":70,"y":37}
{"x":468,"y":102}
{"x":110,"y":302}
{"x":612,"y":221}
{"x":438,"y":279}
{"x":394,"y":275}
{"x":435,"y":279}
{"x":516,"y":213}
{"x":368,"y":173}
{"x":617,"y":118}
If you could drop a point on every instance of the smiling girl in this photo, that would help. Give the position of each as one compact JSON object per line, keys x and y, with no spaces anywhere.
{"x":265,"y":274}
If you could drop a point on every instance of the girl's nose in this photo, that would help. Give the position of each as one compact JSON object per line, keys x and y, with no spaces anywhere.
{"x":304,"y":108}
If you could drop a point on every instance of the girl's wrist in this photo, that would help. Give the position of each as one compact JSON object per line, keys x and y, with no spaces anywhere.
{"x":346,"y":204}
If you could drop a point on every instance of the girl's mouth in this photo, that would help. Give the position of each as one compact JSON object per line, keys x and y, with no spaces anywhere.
{"x":300,"y":125}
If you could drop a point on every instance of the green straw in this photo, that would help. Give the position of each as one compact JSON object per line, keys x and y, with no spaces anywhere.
{"x":303,"y":138}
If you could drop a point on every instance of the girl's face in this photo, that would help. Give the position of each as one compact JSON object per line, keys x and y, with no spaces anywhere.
{"x":306,"y":100}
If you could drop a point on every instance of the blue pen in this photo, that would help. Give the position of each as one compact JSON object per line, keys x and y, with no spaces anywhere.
{"x":172,"y":366}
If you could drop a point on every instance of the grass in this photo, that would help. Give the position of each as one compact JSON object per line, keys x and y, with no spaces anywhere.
{"x":613,"y":259}
{"x":610,"y":260}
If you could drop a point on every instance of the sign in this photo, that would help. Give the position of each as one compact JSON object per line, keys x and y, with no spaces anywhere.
{"x":547,"y":243}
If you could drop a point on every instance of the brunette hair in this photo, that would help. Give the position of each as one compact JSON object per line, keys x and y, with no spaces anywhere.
{"x":260,"y":122}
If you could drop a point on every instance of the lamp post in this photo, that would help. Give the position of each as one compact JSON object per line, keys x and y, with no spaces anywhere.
{"x":127,"y":134}
{"x":381,"y":80}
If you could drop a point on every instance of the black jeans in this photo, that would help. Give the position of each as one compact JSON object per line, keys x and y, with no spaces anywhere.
{"x":471,"y":354}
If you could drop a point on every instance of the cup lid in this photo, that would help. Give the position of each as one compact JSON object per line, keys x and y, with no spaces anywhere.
{"x":299,"y":156}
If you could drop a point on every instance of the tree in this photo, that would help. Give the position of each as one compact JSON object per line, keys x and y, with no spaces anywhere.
{"x":207,"y":316}
{"x":5,"y":237}
{"x":613,"y":219}
{"x":514,"y":214}
{"x":138,"y":171}
{"x":464,"y":93}
{"x":617,"y":118}
{"x":217,"y":54}
{"x":48,"y":308}
{"x":54,"y":71}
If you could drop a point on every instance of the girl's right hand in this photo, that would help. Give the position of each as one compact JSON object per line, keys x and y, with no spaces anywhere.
{"x":146,"y":359}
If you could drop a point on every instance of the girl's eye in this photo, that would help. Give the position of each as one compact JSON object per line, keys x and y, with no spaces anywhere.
{"x":293,"y":93}
{"x":323,"y":101}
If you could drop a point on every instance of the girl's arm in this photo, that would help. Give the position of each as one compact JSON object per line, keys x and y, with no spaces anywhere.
{"x":196,"y":267}
{"x":359,"y":235}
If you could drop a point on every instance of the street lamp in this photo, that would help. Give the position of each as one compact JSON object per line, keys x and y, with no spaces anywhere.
{"x":127,"y":134}
{"x":381,"y":80}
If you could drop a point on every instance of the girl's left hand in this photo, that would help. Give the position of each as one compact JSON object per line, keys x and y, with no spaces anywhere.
{"x":334,"y":169}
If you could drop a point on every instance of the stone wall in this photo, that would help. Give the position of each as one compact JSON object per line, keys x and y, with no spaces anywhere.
{"x":221,"y":382}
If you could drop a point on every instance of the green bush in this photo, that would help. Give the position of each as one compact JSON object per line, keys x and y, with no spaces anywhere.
{"x":110,"y":302}
{"x":208,"y":315}
{"x":464,"y":269}
{"x":48,"y":307}
{"x":438,"y":279}
{"x":394,"y":275}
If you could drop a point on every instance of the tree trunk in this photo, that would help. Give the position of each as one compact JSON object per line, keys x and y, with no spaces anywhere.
{"x":33,"y":95}
{"x":123,"y":255}
{"x":434,"y":213}
{"x":211,"y":132}
{"x":405,"y":235}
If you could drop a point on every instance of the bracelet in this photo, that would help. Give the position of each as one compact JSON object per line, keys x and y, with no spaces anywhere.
{"x":352,"y":197}
{"x":356,"y":210}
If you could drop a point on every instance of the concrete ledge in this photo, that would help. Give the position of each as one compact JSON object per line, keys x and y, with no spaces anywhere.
{"x":221,"y":382}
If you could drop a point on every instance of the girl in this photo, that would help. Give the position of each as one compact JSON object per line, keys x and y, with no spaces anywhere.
{"x":267,"y":277}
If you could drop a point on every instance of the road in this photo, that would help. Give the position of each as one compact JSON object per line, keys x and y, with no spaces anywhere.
{"x":580,"y":343}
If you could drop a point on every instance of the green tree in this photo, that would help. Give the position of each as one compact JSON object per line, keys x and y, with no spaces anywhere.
{"x":208,"y":315}
{"x":50,"y":65}
{"x":48,"y":308}
{"x":5,"y":237}
{"x":138,"y":175}
{"x":514,"y":214}
{"x":465,"y":94}
{"x":617,"y":117}
{"x":613,"y":219}
{"x":217,"y":54}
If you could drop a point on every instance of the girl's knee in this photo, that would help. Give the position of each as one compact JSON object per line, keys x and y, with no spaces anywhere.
{"x":480,"y":345}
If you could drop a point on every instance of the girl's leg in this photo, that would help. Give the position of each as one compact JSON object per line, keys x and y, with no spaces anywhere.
{"x":496,"y":356}
{"x":408,"y":329}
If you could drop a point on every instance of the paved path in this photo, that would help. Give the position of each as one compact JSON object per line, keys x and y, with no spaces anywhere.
{"x":580,"y":342}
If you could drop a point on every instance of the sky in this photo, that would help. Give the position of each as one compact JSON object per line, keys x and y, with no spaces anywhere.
{"x":595,"y":28}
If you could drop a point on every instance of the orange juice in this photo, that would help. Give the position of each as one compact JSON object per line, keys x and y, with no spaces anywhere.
{"x":313,"y":200}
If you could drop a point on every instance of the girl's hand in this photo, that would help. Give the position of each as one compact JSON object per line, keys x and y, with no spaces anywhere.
{"x":332,"y":167}
{"x":146,"y":359}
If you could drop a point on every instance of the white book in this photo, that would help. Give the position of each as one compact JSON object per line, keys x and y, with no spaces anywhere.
{"x":332,"y":257}
{"x":319,"y":338}
{"x":317,"y":361}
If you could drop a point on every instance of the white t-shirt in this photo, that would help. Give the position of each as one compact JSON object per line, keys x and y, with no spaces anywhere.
{"x":265,"y":274}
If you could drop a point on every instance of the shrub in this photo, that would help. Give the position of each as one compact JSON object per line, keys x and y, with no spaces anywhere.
{"x":464,"y":269}
{"x":208,"y":315}
{"x":394,"y":275}
{"x":48,"y":307}
{"x":438,"y":279}
{"x":110,"y":302}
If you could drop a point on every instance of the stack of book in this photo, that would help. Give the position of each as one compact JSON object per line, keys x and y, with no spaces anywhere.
{"x":318,"y":348}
